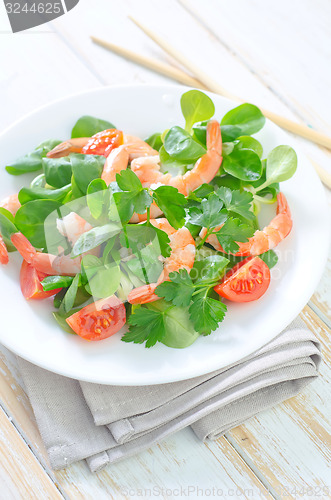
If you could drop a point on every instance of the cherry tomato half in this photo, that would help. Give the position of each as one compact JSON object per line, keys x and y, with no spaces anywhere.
{"x":99,"y":320}
{"x":103,"y":142}
{"x":30,"y":280}
{"x":247,"y":281}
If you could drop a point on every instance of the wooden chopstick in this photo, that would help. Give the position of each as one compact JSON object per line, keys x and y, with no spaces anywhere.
{"x":212,"y":85}
{"x":182,"y":77}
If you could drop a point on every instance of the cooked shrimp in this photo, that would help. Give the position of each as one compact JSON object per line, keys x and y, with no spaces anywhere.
{"x":72,"y":226}
{"x":117,"y":161}
{"x":4,"y":258}
{"x":129,"y":139}
{"x":148,"y":171}
{"x":11,"y":204}
{"x":67,"y":147}
{"x":155,"y":211}
{"x":182,"y":256}
{"x":120,"y":157}
{"x":205,"y":169}
{"x":264,"y":240}
{"x":45,"y":262}
{"x":137,"y":148}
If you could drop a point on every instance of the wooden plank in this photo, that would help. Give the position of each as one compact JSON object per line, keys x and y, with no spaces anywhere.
{"x":322,"y":297}
{"x":48,"y":69}
{"x":21,"y":475}
{"x":108,"y":21}
{"x":15,"y":402}
{"x":290,"y":444}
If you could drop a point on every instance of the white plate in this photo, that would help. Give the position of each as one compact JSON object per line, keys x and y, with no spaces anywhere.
{"x":28,"y":328}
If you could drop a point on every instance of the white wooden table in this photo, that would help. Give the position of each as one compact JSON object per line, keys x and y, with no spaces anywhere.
{"x":276,"y":54}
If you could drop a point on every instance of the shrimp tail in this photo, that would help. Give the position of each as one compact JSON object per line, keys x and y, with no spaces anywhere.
{"x":4,"y":259}
{"x":65,"y":148}
{"x":214,"y":137}
{"x":282,"y":205}
{"x":24,"y":247}
{"x":42,"y":262}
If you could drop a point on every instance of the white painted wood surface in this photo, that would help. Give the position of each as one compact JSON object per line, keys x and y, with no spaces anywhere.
{"x":274,"y":54}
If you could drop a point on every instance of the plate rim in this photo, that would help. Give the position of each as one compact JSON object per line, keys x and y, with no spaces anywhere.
{"x":288,"y":318}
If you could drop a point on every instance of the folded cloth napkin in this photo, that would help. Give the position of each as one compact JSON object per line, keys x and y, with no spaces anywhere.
{"x":104,"y":424}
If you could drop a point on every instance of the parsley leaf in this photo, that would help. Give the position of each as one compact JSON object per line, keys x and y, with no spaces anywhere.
{"x":133,"y":197}
{"x":233,"y":230}
{"x":236,"y":201}
{"x":172,"y":203}
{"x":163,"y":240}
{"x":210,"y":214}
{"x":128,"y":181}
{"x":179,"y":290}
{"x":206,"y":313}
{"x":161,"y":321}
{"x":146,"y":325}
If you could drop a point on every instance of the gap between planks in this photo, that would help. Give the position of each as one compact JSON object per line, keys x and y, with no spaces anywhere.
{"x":24,"y":474}
{"x":250,"y":463}
{"x":263,"y":486}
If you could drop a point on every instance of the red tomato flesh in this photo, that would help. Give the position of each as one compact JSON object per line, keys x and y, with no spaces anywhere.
{"x":99,"y":320}
{"x":103,"y":142}
{"x":30,"y":280}
{"x":247,"y":281}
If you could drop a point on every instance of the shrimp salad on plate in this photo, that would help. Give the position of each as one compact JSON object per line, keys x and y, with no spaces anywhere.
{"x":159,"y":234}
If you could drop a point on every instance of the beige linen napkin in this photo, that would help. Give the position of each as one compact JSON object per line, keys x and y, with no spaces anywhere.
{"x":104,"y":424}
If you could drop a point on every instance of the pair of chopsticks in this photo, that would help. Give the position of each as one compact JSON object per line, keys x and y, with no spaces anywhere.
{"x":205,"y":82}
